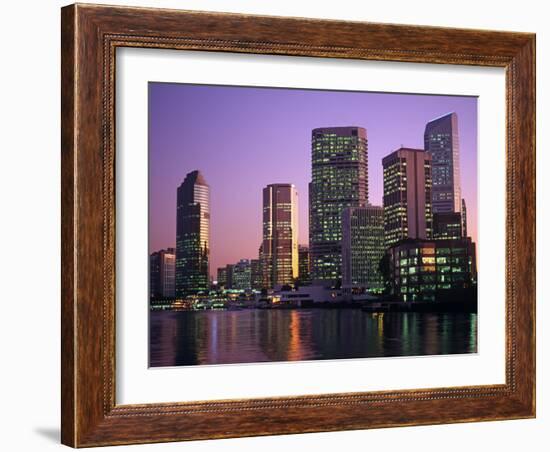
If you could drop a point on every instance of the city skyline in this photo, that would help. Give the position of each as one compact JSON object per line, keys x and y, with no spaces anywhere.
{"x":246,"y":155}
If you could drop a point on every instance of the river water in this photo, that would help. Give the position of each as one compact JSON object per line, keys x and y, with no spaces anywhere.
{"x":260,"y":335}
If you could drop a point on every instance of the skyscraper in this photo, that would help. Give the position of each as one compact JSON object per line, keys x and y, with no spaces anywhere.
{"x":162,"y":273}
{"x":192,"y":235}
{"x":441,"y":143}
{"x":339,"y":179}
{"x":362,"y":247}
{"x":407,"y":195}
{"x":280,"y":235}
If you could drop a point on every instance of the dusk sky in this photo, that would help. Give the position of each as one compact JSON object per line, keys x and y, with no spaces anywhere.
{"x":243,"y":139}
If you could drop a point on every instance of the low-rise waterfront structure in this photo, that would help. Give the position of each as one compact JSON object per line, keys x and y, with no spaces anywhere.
{"x":422,"y":269}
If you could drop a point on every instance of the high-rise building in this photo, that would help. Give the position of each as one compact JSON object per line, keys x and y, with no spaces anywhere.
{"x":339,"y":179}
{"x":304,"y":266}
{"x":192,"y":235}
{"x":162,"y":269}
{"x":447,"y":225}
{"x":242,"y":275}
{"x":441,"y":143}
{"x":280,"y":235}
{"x":256,"y":274}
{"x":407,"y":195}
{"x":464,"y":219}
{"x":362,"y":247}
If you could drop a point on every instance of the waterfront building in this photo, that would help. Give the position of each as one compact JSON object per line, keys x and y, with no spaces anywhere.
{"x":256,"y":274}
{"x":192,"y":235}
{"x":242,"y":275}
{"x":441,"y":143}
{"x":420,"y":269}
{"x":280,"y":235}
{"x":339,"y":179}
{"x":407,"y":195}
{"x":162,"y":270}
{"x":464,"y":219}
{"x":362,"y":247}
{"x":229,"y":268}
{"x":222,"y":277}
{"x":304,"y":266}
{"x":447,"y":225}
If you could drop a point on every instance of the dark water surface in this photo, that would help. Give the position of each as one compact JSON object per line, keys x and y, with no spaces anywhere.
{"x":258,"y":335}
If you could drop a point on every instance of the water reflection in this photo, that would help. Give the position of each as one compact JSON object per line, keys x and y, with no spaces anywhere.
{"x":223,"y":337}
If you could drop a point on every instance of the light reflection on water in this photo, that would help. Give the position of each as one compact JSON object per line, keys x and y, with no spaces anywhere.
{"x":255,"y":335}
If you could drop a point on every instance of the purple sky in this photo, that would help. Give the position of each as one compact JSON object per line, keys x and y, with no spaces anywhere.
{"x":244,"y":138}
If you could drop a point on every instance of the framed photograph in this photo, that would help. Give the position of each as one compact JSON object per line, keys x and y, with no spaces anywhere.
{"x":281,"y":225}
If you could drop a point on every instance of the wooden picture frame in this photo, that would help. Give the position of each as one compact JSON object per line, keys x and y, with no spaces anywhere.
{"x":90,"y":36}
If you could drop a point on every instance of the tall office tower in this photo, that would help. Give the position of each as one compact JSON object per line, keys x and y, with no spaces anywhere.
{"x":339,"y":179}
{"x":255,"y":274}
{"x":304,"y":266}
{"x":362,"y":247}
{"x":162,"y":269}
{"x":242,"y":275}
{"x":441,"y":142}
{"x":407,"y":195}
{"x":447,"y":225}
{"x":192,"y":235}
{"x":280,"y":235}
{"x":464,"y":219}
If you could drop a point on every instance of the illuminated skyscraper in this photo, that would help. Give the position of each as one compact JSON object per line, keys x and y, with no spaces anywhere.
{"x":362,"y":247}
{"x":407,"y":195}
{"x":192,"y":235}
{"x":441,"y":143}
{"x":339,"y":179}
{"x":280,"y":235}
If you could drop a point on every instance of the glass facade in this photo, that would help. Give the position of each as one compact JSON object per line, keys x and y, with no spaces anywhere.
{"x":362,"y":247}
{"x":421,"y":268}
{"x":192,"y":235}
{"x":242,"y":275}
{"x":441,"y":142}
{"x":256,"y":274}
{"x":339,"y":167}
